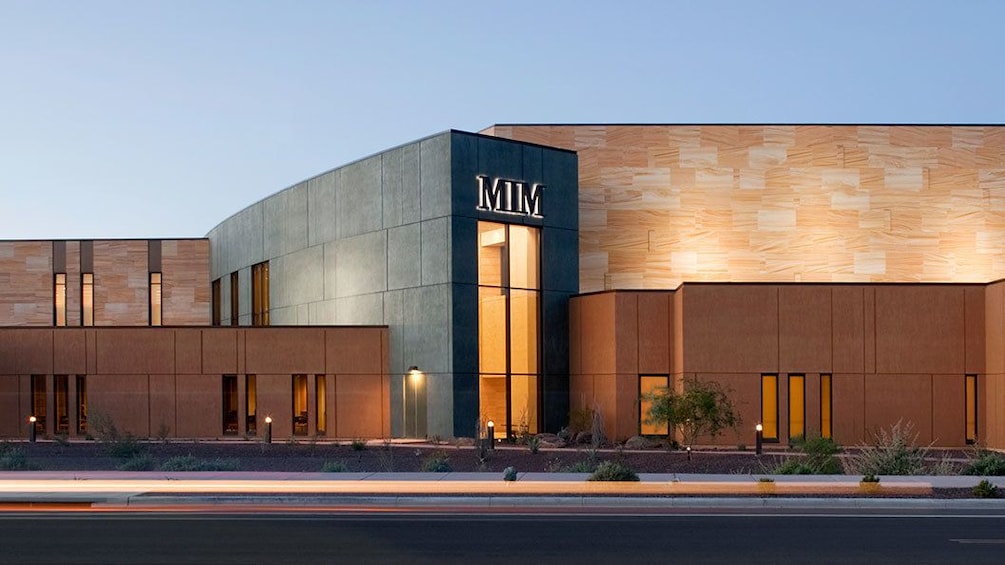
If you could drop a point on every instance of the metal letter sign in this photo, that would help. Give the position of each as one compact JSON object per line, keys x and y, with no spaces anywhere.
{"x":508,"y":196}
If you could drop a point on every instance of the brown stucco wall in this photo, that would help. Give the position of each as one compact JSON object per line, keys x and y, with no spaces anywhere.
{"x":991,"y":426}
{"x":150,"y":379}
{"x":895,"y":352}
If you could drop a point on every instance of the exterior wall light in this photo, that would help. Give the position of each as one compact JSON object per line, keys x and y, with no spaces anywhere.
{"x":758,"y":437}
{"x":268,"y":429}
{"x":31,"y":428}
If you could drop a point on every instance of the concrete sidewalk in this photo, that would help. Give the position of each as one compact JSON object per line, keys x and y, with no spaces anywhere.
{"x":23,"y":486}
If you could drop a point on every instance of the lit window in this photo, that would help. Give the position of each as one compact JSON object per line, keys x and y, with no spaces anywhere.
{"x":797,"y":407}
{"x":87,"y":299}
{"x":260,"y":294}
{"x":235,"y":302}
{"x":299,"y":405}
{"x":769,"y":407}
{"x":971,"y":393}
{"x":59,"y":300}
{"x":230,"y":405}
{"x":251,"y":404}
{"x":216,"y":302}
{"x":61,"y":384}
{"x":825,"y":406}
{"x":321,"y":405}
{"x":38,"y":404}
{"x":81,"y":404}
{"x":155,"y":299}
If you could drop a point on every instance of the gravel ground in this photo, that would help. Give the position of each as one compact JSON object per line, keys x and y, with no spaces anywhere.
{"x":311,"y":456}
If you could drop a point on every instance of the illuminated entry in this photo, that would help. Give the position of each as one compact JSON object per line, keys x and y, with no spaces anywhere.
{"x":509,"y":196}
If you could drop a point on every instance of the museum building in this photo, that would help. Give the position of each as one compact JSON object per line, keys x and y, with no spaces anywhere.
{"x":835,"y":278}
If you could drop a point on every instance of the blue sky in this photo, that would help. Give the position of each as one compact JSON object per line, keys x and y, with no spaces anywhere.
{"x":162,"y":118}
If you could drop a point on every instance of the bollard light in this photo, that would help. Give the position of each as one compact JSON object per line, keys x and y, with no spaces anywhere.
{"x":491,"y":427}
{"x":31,"y":428}
{"x":268,"y":429}
{"x":689,"y":453}
{"x":759,"y":433}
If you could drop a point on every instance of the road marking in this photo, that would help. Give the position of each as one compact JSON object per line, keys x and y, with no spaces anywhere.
{"x":979,"y":541}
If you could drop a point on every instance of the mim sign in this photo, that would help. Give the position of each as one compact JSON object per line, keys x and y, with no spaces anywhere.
{"x":509,"y":196}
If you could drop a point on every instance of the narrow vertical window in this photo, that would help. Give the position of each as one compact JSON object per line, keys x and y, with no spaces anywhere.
{"x":230,"y":405}
{"x":59,"y":300}
{"x":797,"y":407}
{"x":251,"y":404}
{"x":81,"y":404}
{"x":649,"y":384}
{"x":216,"y":302}
{"x":825,"y":407}
{"x":260,"y":294}
{"x":61,"y":385}
{"x":235,"y":300}
{"x":299,"y":405}
{"x":321,"y":405}
{"x":971,"y":394}
{"x":155,"y":299}
{"x":87,"y":299}
{"x":38,"y":407}
{"x":769,"y":407}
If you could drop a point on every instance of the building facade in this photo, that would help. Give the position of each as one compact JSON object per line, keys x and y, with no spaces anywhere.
{"x":836,"y":278}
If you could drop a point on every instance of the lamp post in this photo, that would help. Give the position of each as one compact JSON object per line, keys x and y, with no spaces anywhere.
{"x":31,"y":428}
{"x":491,"y":427}
{"x":759,"y":429}
{"x":268,"y":429}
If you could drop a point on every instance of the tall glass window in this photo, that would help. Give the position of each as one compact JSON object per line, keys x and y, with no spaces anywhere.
{"x":87,"y":299}
{"x":769,"y":407}
{"x":230,"y":405}
{"x":155,"y":299}
{"x":235,"y":299}
{"x":797,"y":407}
{"x":260,"y":294}
{"x":38,"y":405}
{"x":509,"y":325}
{"x":59,"y":300}
{"x":251,"y":403}
{"x":825,"y":407}
{"x":299,"y":405}
{"x":61,"y":384}
{"x":81,"y":404}
{"x":216,"y":302}
{"x":971,"y":396}
{"x":321,"y":405}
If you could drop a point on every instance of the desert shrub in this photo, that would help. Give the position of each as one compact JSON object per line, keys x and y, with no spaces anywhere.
{"x":986,"y":489}
{"x":987,"y":464}
{"x":358,"y":444}
{"x":793,"y":466}
{"x":192,"y":463}
{"x":138,"y":463}
{"x":819,"y":459}
{"x":533,"y":444}
{"x":580,"y":420}
{"x":334,"y":467}
{"x":437,"y":462}
{"x":509,"y":474}
{"x":584,"y":466}
{"x":895,"y":452}
{"x":613,"y":471}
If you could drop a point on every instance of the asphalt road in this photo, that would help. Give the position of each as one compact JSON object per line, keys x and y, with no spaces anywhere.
{"x":110,"y":538}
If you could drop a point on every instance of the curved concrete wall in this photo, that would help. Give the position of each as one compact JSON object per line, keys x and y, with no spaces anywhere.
{"x":391,"y":240}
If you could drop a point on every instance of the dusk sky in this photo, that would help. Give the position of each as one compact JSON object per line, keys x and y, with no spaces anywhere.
{"x":147,"y":119}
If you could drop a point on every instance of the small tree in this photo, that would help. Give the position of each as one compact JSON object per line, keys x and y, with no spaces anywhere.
{"x":703,"y":408}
